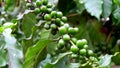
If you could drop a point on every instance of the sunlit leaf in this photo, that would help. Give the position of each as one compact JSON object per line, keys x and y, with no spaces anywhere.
{"x":107,"y":8}
{"x":94,"y":7}
{"x":105,"y":60}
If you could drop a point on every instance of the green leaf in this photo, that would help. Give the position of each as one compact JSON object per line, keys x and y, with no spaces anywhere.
{"x":116,"y":14}
{"x":73,"y":65}
{"x":3,"y":58}
{"x":94,"y":7}
{"x":28,"y":23}
{"x":14,"y":54}
{"x":48,"y":65}
{"x":59,"y":57}
{"x":116,"y":58}
{"x":105,"y":61}
{"x":117,"y":2}
{"x":107,"y":8}
{"x":36,"y":54}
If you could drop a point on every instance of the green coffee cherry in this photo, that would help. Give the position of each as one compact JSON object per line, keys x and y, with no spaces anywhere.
{"x":43,"y":9}
{"x":66,"y":37}
{"x":53,"y":26}
{"x":37,"y":10}
{"x":90,"y":52}
{"x":76,"y":30}
{"x":47,"y":17}
{"x":62,"y":30}
{"x":79,"y":44}
{"x":61,"y":42}
{"x":61,"y":23}
{"x":74,"y":49}
{"x":59,"y":14}
{"x":28,"y":5}
{"x":74,"y":56}
{"x":84,"y":41}
{"x":85,"y":46}
{"x":64,"y":19}
{"x":71,"y":30}
{"x":49,"y":5}
{"x":49,"y":10}
{"x":53,"y":14}
{"x":45,"y":2}
{"x":74,"y":40}
{"x":83,"y":52}
{"x":66,"y":25}
{"x":38,"y":3}
{"x":57,"y":20}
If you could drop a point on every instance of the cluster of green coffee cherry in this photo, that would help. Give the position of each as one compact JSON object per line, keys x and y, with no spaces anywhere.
{"x":56,"y":22}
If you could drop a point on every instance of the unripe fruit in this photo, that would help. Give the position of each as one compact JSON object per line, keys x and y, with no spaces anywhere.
{"x":70,"y":30}
{"x":53,"y":14}
{"x":66,"y":37}
{"x":57,"y":20}
{"x":49,"y":10}
{"x":53,"y":26}
{"x":37,"y":10}
{"x":59,"y":14}
{"x":62,"y":30}
{"x":74,"y":49}
{"x":47,"y":17}
{"x":28,"y":5}
{"x":74,"y":40}
{"x":64,"y":19}
{"x":61,"y":23}
{"x":74,"y":56}
{"x":49,"y":5}
{"x":66,"y":25}
{"x":61,"y":42}
{"x":76,"y":30}
{"x":85,"y":46}
{"x":79,"y":44}
{"x":83,"y":52}
{"x":38,"y":3}
{"x":84,"y":41}
{"x":90,"y":52}
{"x":43,"y":9}
{"x":45,"y":2}
{"x":60,"y":46}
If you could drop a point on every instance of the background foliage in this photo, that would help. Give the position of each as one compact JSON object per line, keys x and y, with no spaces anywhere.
{"x":25,"y":43}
